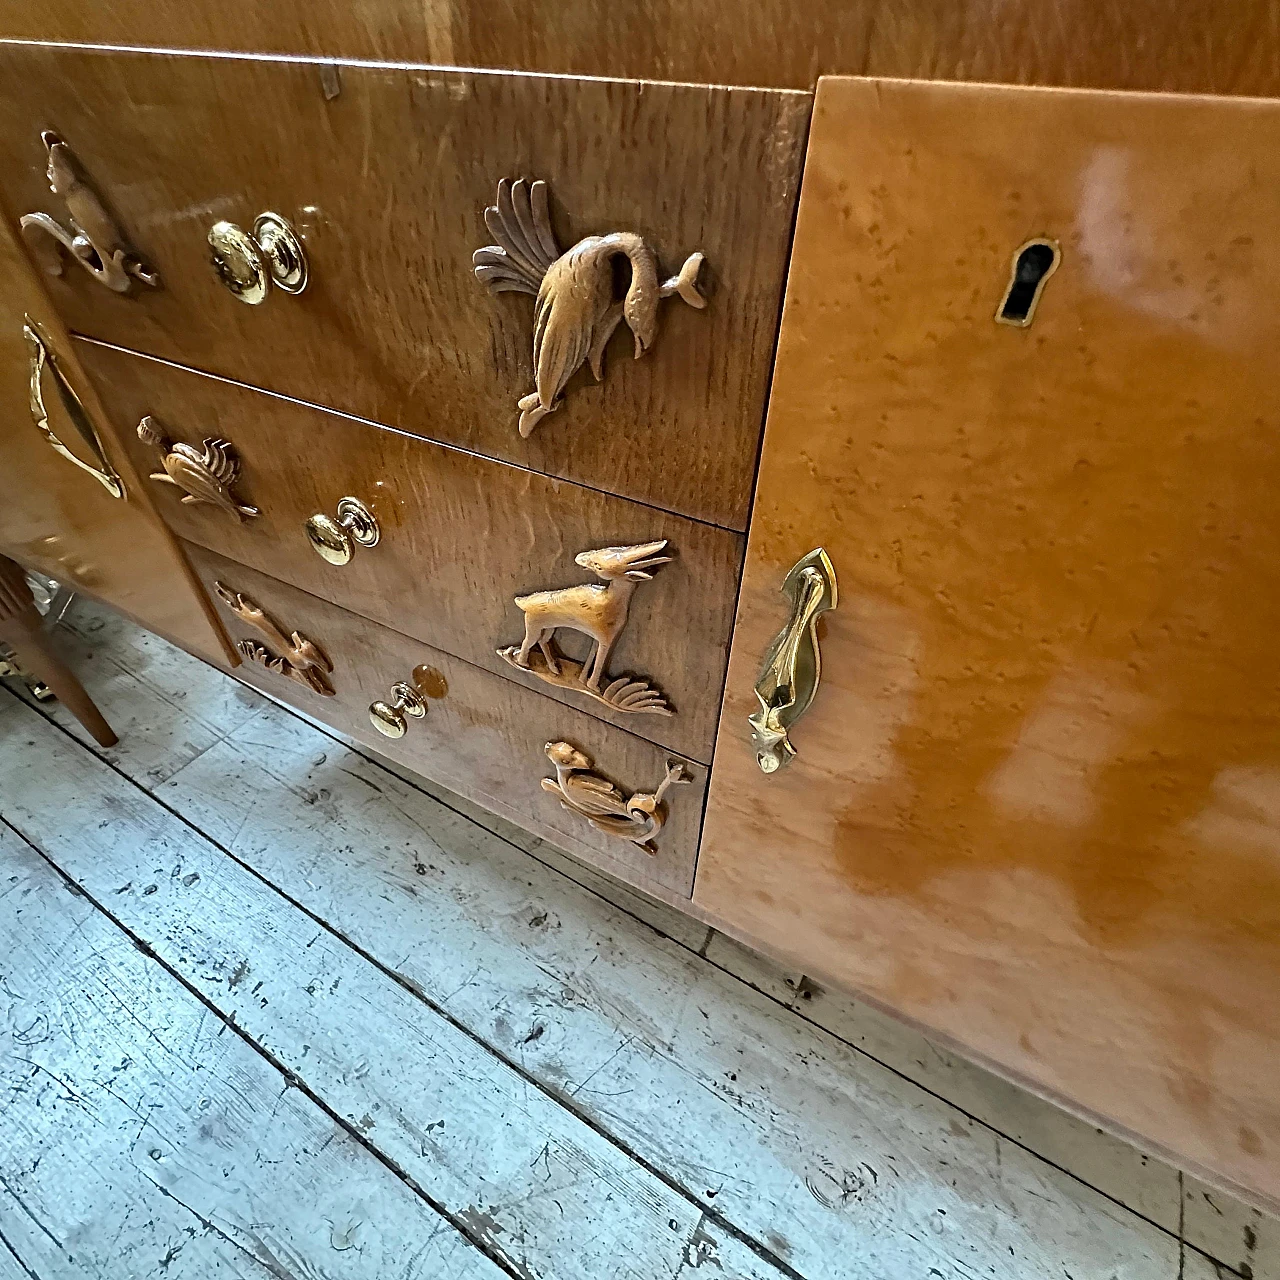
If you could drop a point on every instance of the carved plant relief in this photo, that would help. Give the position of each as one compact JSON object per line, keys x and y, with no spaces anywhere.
{"x":576,"y":311}
{"x":93,"y":239}
{"x":293,"y":656}
{"x":204,"y":475}
{"x":637,"y":818}
{"x":595,"y":610}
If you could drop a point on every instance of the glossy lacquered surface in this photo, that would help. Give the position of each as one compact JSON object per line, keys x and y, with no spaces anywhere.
{"x":1193,"y":46}
{"x":1036,"y":802}
{"x":385,"y":173}
{"x":481,"y":736}
{"x":55,"y":516}
{"x":458,"y":537}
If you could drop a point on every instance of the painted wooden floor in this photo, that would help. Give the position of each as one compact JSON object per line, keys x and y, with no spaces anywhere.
{"x":274,"y":1009}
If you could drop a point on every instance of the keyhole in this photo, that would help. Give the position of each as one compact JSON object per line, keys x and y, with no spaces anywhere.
{"x":1033,"y":264}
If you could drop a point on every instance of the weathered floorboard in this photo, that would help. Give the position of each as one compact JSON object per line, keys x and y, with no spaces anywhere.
{"x":773,"y":1123}
{"x":537,"y":1185}
{"x":141,"y":1138}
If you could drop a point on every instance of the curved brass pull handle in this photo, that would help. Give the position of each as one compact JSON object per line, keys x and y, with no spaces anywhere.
{"x":389,"y":717}
{"x":333,"y":540}
{"x":793,"y":666}
{"x":42,"y":358}
{"x":249,"y":264}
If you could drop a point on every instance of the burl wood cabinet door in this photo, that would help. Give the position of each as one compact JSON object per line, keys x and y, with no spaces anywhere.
{"x":1035,"y":804}
{"x":62,"y":519}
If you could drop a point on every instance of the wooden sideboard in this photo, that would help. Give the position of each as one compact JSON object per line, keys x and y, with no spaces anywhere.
{"x":444,"y":389}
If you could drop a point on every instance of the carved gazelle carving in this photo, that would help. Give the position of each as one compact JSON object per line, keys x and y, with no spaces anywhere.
{"x":93,"y":240}
{"x":599,"y":612}
{"x":576,"y":311}
{"x":294,"y":656}
{"x":637,"y":817}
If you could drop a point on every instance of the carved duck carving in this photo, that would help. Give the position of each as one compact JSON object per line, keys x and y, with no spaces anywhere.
{"x":637,"y":818}
{"x":576,"y":311}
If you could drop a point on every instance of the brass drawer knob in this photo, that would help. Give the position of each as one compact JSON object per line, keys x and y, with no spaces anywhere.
{"x":248,"y":264}
{"x":334,"y":540}
{"x":792,"y":668}
{"x":389,"y":717}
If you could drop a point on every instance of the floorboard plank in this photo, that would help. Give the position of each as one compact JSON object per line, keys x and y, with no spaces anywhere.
{"x":142,"y":1139}
{"x":536,"y":1184}
{"x":836,"y":1164}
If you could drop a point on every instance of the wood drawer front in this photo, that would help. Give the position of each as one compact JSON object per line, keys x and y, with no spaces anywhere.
{"x":1036,"y":802}
{"x":58,"y":518}
{"x":387,"y":180}
{"x":461,"y":536}
{"x":485,"y":738}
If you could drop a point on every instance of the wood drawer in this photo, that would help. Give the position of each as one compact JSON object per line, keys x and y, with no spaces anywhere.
{"x":1036,"y":801}
{"x":57,"y":517}
{"x":483,"y":737}
{"x":460,"y":536}
{"x":386,"y":172}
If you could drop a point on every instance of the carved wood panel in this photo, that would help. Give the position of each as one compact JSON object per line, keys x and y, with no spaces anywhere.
{"x":386,"y":183}
{"x":481,"y":736}
{"x":454,"y":540}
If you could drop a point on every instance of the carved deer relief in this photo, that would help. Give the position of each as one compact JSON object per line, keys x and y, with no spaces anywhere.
{"x":93,"y":240}
{"x":298,"y":658}
{"x":576,"y":312}
{"x":599,"y":612}
{"x":637,"y":818}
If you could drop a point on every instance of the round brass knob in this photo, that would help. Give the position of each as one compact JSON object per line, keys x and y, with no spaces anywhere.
{"x":249,"y":264}
{"x":389,"y":717}
{"x":333,"y":540}
{"x":238,"y":263}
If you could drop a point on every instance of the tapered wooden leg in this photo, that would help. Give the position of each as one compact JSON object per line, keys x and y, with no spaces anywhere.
{"x":22,"y":629}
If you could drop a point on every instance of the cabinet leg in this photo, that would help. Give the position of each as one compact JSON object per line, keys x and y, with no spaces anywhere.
{"x":22,"y":629}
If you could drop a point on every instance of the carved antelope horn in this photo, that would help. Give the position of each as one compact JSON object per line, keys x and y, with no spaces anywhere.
{"x":643,"y":558}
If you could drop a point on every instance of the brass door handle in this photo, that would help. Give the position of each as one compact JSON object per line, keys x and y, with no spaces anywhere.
{"x":250,"y":263}
{"x":793,"y":666}
{"x":334,"y":540}
{"x":389,"y":717}
{"x":41,"y":359}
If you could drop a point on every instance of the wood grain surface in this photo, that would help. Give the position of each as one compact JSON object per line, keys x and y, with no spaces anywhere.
{"x":484,"y":739}
{"x":1035,"y":802}
{"x":764,"y":1121}
{"x":58,"y":519}
{"x":387,"y":183}
{"x":461,"y":537}
{"x":1191,"y":46}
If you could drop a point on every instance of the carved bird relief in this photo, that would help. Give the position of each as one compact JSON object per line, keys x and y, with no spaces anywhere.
{"x":203,"y":475}
{"x":93,"y":241}
{"x":576,"y":311}
{"x":599,"y":612}
{"x":637,"y":818}
{"x":299,"y":659}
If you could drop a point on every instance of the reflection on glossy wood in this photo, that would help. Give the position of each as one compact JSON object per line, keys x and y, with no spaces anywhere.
{"x":1193,"y":46}
{"x":637,"y":817}
{"x":385,"y":185}
{"x":460,"y":537}
{"x":1036,"y":804}
{"x":599,"y":613}
{"x":93,"y":240}
{"x":576,"y":312}
{"x":485,"y":740}
{"x":60,"y":519}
